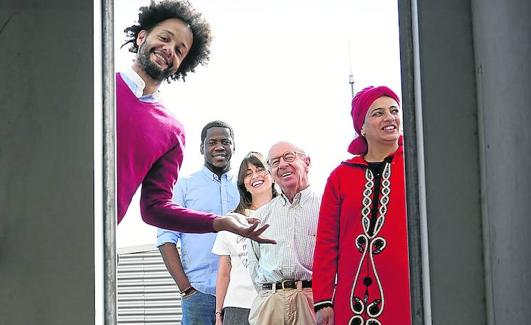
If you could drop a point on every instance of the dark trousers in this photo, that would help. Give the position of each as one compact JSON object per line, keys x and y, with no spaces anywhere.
{"x":235,"y":316}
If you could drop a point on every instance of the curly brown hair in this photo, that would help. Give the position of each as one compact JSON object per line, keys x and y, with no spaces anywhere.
{"x":156,"y":12}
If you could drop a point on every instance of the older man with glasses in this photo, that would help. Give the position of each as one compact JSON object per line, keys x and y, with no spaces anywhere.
{"x":282,"y":273}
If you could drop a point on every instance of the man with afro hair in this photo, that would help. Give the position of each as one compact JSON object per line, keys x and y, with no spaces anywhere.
{"x":170,"y":39}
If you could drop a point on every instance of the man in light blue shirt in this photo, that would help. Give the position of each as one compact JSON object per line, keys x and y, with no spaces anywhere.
{"x":211,"y":189}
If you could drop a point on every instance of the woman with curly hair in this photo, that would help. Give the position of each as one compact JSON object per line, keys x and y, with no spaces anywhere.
{"x":170,"y":39}
{"x":235,"y":291}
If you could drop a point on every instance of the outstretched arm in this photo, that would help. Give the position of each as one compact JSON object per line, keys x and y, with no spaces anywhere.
{"x":253,"y":232}
{"x":156,"y":204}
{"x":158,"y":208}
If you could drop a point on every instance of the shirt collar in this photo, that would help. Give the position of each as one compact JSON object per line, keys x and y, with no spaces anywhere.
{"x":226,"y":176}
{"x":137,"y":85}
{"x":300,"y":198}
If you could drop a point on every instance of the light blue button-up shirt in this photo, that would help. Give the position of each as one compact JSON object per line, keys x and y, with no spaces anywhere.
{"x":202,"y":191}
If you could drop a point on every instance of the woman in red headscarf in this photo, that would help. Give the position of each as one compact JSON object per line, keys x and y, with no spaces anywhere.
{"x":362,"y":230}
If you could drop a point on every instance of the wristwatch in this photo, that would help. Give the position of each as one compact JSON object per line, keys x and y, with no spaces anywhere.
{"x":188,"y":290}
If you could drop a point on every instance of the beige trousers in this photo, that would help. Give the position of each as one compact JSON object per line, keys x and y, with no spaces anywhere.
{"x":283,"y":307}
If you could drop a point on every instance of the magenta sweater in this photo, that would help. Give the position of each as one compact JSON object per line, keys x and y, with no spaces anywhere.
{"x":150,"y":146}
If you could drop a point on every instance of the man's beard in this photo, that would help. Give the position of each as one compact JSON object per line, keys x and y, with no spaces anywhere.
{"x":150,"y":67}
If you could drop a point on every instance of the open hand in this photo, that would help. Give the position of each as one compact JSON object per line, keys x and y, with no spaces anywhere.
{"x":233,"y":224}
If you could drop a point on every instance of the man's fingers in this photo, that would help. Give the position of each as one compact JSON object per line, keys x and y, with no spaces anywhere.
{"x":260,"y":230}
{"x":252,"y":220}
{"x":263,"y":240}
{"x":256,"y":236}
{"x":253,"y":232}
{"x":236,"y":217}
{"x":251,"y":229}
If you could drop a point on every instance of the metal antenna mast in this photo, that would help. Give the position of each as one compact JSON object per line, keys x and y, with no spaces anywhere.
{"x":350,"y":76}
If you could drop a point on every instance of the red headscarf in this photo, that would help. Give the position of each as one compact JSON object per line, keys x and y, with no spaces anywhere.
{"x":360,"y":105}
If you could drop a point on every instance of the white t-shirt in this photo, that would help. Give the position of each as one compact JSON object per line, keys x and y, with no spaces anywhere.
{"x":241,"y":291}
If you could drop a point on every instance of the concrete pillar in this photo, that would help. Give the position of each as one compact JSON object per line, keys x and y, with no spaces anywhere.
{"x":474,"y":99}
{"x":502,"y":42}
{"x":46,"y":160}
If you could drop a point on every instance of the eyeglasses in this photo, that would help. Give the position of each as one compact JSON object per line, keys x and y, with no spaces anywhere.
{"x":288,"y":157}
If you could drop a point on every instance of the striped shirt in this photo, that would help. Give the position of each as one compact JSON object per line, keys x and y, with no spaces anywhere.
{"x":294,"y":227}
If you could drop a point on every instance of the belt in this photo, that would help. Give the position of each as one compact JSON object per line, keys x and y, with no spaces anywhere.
{"x":286,"y":284}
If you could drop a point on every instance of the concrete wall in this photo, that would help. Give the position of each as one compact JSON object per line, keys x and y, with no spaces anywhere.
{"x":475,"y":77}
{"x":502,"y":41}
{"x":46,"y":159}
{"x":451,"y":143}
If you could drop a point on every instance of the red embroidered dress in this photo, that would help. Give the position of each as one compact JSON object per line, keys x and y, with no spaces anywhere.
{"x":363,"y":240}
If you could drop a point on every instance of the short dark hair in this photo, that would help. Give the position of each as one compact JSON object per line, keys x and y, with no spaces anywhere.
{"x":246,"y":199}
{"x":216,"y":124}
{"x":151,"y":16}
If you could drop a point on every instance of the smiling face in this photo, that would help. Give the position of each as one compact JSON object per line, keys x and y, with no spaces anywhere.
{"x":217,"y":149}
{"x":162,"y":49}
{"x":257,"y":180}
{"x":289,"y":168}
{"x":382,"y":122}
